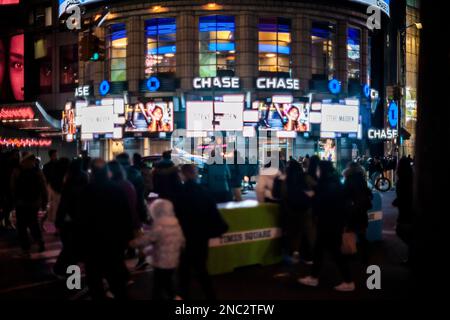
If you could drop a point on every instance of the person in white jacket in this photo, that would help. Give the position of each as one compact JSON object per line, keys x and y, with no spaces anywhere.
{"x":168,"y":240}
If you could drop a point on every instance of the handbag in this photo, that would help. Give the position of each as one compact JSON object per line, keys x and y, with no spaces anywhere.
{"x":348,"y":246}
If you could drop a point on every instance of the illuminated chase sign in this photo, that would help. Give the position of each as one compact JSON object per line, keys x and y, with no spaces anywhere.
{"x":278,"y":83}
{"x":393,"y":114}
{"x":82,"y":91}
{"x":153,"y":84}
{"x":382,"y":134}
{"x":216,"y":83}
{"x":104,"y":88}
{"x":334,"y":86}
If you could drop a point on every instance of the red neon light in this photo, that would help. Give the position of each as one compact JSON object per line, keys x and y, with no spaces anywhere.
{"x":25,"y":142}
{"x":19,"y":113}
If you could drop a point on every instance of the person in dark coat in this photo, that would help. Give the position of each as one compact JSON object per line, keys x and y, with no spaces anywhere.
{"x":30,"y":195}
{"x":50,"y":168}
{"x":329,"y":209}
{"x":68,"y":216}
{"x":297,"y":221}
{"x":358,"y":199}
{"x":403,"y":201}
{"x":200,"y":220}
{"x":135,"y":177}
{"x":104,"y":232}
{"x":216,"y":177}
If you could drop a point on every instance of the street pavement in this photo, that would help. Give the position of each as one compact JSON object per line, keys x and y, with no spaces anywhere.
{"x":33,"y":279}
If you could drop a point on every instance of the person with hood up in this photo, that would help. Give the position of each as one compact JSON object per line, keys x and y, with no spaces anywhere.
{"x":168,"y":240}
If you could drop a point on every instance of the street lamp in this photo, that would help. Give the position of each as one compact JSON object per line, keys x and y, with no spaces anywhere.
{"x":401,"y":72}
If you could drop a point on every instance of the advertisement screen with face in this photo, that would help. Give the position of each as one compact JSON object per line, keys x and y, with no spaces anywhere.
{"x":327,"y":149}
{"x":284,"y":116}
{"x":149,"y":116}
{"x":12,"y":68}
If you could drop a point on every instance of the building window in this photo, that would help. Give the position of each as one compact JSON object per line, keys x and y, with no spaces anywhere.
{"x":353,"y":53}
{"x":68,"y":71}
{"x":118,"y":52}
{"x":323,"y":37}
{"x":45,"y":71}
{"x":161,"y":47}
{"x":274,"y":44}
{"x":217,"y":49}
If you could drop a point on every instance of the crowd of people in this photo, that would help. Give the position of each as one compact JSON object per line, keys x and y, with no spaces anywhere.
{"x":103,"y":213}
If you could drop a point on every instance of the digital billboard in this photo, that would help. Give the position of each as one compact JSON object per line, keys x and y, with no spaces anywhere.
{"x":149,"y":116}
{"x":5,"y":2}
{"x":285,"y":116}
{"x":66,"y":4}
{"x":12,"y":68}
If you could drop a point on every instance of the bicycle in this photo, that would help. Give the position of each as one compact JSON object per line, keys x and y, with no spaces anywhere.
{"x":380,"y":182}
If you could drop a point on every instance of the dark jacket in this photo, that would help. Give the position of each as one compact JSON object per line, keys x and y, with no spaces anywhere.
{"x":28,"y":188}
{"x":358,"y":201}
{"x":70,"y":205}
{"x":135,"y":177}
{"x":198,"y":214}
{"x":216,"y":177}
{"x":105,"y":221}
{"x":404,"y":191}
{"x":329,"y":206}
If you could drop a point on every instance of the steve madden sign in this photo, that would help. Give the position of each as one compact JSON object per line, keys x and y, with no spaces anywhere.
{"x":278,"y":83}
{"x":216,"y":83}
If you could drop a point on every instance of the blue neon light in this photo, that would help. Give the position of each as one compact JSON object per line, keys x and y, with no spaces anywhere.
{"x":334,"y":86}
{"x":393,"y":114}
{"x":366,"y":90}
{"x":153,"y":84}
{"x":104,"y":87}
{"x":273,"y":48}
{"x":221,"y":46}
{"x":163,"y":50}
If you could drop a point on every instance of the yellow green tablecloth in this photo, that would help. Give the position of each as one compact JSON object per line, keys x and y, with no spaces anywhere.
{"x":253,"y":238}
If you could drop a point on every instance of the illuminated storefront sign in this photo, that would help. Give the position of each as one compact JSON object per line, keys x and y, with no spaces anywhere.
{"x":382,"y":134}
{"x":104,"y":88}
{"x":393,"y":114}
{"x":334,"y":86}
{"x":339,"y":118}
{"x":215,"y":116}
{"x":82,"y":91}
{"x":106,"y":118}
{"x":24,"y":142}
{"x":278,"y":83}
{"x":16,"y":113}
{"x":153,"y":84}
{"x":218,"y":83}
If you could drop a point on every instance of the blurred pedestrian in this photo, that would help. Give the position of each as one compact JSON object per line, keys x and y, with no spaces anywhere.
{"x":168,"y":240}
{"x":404,"y":199}
{"x":296,"y":217}
{"x":30,"y":195}
{"x":237,"y":171}
{"x":329,"y":209}
{"x":216,"y":177}
{"x":135,"y":177}
{"x":55,"y":186}
{"x":200,"y":220}
{"x":358,"y":199}
{"x":104,"y":232}
{"x":68,"y":216}
{"x":265,"y":183}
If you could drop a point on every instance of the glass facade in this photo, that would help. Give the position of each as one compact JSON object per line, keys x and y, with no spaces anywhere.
{"x":323,"y":39}
{"x":118,"y":52}
{"x":274,"y":45}
{"x":353,"y":53}
{"x":160,"y":39}
{"x":217,"y":50}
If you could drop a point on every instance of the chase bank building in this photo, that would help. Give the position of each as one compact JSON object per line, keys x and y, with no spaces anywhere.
{"x":299,"y":69}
